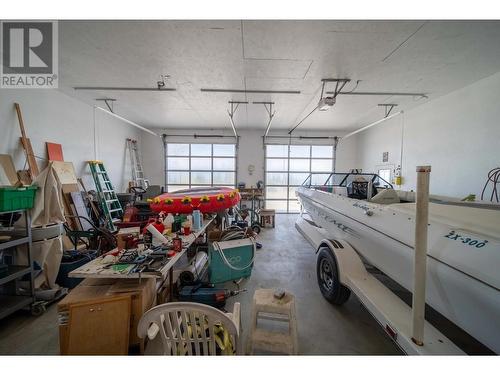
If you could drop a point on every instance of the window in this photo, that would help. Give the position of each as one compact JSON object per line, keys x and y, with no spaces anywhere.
{"x":198,"y":165}
{"x":385,"y":174}
{"x":287,"y":166}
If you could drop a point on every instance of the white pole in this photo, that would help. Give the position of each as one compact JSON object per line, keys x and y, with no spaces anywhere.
{"x":419,"y":270}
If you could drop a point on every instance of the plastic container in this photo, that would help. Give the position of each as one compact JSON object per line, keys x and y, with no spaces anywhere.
{"x":12,"y":198}
{"x":197,"y":220}
{"x":71,"y":261}
{"x":186,"y":228}
{"x":168,"y":221}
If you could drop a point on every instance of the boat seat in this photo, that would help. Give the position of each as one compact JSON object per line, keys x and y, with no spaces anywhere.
{"x":386,"y":196}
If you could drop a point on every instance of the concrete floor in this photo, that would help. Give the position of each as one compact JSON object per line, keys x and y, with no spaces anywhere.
{"x":286,"y":260}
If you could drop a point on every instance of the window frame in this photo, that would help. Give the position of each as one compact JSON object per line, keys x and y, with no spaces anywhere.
{"x":292,"y":200}
{"x":189,"y":171}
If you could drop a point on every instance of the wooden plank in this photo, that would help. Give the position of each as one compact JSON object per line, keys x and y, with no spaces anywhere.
{"x":9,"y":174}
{"x":65,"y":172}
{"x":30,"y":157}
{"x":28,"y":149}
{"x":67,"y":189}
{"x":92,"y":204}
{"x":54,"y":151}
{"x":24,"y":177}
{"x":80,"y":209}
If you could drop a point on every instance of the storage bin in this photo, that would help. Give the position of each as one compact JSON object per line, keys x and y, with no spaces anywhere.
{"x":12,"y":198}
{"x":231,"y":260}
{"x":71,"y":261}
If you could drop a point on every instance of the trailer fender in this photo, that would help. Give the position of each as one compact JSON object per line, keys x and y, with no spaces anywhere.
{"x":347,"y":259}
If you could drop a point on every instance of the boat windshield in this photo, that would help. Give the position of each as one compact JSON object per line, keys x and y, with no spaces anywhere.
{"x":327,"y":181}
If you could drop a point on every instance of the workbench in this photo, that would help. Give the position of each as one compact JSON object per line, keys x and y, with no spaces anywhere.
{"x":98,"y":269}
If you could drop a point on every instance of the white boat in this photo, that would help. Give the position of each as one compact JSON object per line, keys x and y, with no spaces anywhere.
{"x":463,"y":256}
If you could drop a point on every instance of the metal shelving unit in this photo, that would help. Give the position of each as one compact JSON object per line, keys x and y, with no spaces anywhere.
{"x":12,"y":296}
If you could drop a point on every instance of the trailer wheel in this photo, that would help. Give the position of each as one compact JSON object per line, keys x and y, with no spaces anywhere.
{"x":328,"y":278}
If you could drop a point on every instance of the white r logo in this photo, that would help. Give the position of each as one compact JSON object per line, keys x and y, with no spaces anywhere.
{"x":17,"y":43}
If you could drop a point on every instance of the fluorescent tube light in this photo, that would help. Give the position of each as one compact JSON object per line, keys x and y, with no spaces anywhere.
{"x":372,"y":124}
{"x":125,"y":120}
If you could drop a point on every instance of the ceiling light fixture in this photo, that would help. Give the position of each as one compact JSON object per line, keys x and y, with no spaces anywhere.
{"x":372,"y":124}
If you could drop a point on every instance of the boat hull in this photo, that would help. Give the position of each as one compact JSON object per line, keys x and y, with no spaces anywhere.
{"x":385,"y":239}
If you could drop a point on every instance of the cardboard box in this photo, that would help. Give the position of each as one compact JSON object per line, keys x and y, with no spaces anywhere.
{"x":214,"y":235}
{"x":124,"y":233}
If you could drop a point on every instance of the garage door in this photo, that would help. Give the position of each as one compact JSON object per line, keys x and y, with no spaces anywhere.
{"x":199,"y":165}
{"x":287,"y":166}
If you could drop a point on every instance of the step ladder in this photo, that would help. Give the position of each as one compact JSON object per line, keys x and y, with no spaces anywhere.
{"x":108,"y":200}
{"x":135,"y":160}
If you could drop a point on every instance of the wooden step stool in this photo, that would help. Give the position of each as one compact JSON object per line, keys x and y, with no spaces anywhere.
{"x":267,"y":307}
{"x":267,"y":216}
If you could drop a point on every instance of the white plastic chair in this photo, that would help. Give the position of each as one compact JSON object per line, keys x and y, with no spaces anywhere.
{"x":175,"y":321}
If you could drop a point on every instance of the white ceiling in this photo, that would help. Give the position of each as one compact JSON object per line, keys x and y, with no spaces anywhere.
{"x":434,"y":57}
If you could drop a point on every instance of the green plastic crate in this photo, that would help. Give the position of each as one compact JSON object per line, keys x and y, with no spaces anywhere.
{"x":12,"y":198}
{"x":239,"y":253}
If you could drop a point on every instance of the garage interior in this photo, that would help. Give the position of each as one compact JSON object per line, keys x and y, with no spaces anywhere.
{"x":297,"y":187}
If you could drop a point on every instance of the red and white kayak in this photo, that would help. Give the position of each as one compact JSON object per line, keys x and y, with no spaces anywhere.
{"x":206,"y":200}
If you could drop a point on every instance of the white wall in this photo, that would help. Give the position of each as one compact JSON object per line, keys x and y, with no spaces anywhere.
{"x":457,"y":134}
{"x":251,"y":151}
{"x":50,"y":115}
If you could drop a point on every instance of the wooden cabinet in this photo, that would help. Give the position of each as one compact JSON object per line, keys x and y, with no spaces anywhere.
{"x":100,"y":316}
{"x":99,"y":327}
{"x":142,"y":296}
